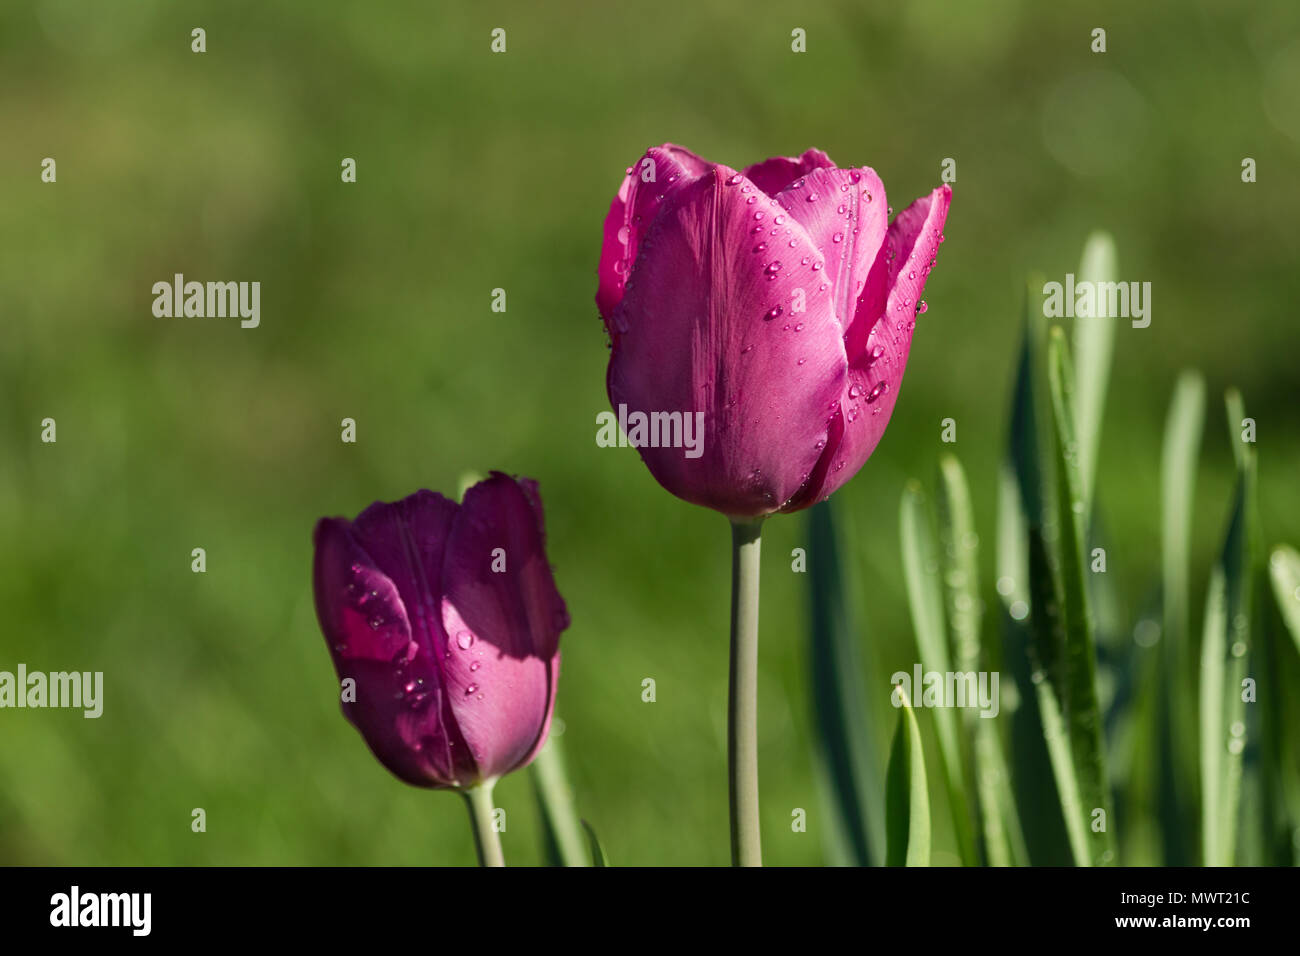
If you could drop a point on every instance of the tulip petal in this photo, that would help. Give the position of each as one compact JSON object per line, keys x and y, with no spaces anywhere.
{"x":885,"y":333}
{"x":633,"y":212}
{"x":398,"y":705}
{"x":504,"y":616}
{"x":773,"y":175}
{"x":845,"y":215}
{"x":710,"y":327}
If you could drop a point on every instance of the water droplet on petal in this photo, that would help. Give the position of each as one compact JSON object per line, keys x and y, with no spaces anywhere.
{"x":464,"y":640}
{"x":733,"y":180}
{"x":838,"y":237}
{"x":469,"y":689}
{"x":879,"y":389}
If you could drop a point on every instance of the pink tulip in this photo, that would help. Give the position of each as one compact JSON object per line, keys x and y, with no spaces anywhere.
{"x":447,"y":619}
{"x":779,"y":302}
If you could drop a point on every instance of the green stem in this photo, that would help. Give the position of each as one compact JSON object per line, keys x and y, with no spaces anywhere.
{"x":486,"y":839}
{"x":742,"y":707}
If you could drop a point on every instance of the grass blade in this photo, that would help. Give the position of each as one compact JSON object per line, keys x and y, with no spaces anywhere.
{"x":1179,"y":780}
{"x":847,"y":750}
{"x":1077,"y":687}
{"x":1224,"y":648}
{"x":907,"y":800}
{"x":597,"y":851}
{"x":1284,"y":572}
{"x":921,"y":567}
{"x":982,"y":761}
{"x":1094,"y":346}
{"x":1024,"y":502}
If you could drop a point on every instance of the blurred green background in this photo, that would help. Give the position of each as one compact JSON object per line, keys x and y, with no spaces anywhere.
{"x":478,"y":171}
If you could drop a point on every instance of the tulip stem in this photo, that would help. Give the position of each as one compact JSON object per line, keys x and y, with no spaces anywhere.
{"x":486,"y":839}
{"x":742,"y":707}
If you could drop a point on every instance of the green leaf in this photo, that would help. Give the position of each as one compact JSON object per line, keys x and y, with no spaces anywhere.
{"x":1024,"y":507}
{"x":925,"y":597}
{"x":907,"y":801}
{"x":1179,"y":780}
{"x":1225,"y":644}
{"x":597,"y":851}
{"x":1094,"y":345}
{"x":1284,"y":571}
{"x":847,"y":756}
{"x":1074,"y":678}
{"x":982,"y":758}
{"x":561,"y":831}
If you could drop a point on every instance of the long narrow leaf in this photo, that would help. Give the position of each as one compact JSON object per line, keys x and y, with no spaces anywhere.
{"x":921,"y":568}
{"x":1179,"y":780}
{"x":1284,"y":572}
{"x":907,"y":800}
{"x":1094,"y":345}
{"x":983,"y":761}
{"x":1224,"y":648}
{"x":1078,"y":688}
{"x":1025,"y":584}
{"x":847,"y":753}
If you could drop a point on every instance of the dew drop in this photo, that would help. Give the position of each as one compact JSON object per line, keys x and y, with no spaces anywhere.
{"x":624,"y":234}
{"x":773,"y":312}
{"x":838,"y":237}
{"x":921,"y":307}
{"x":464,"y":640}
{"x":812,"y":197}
{"x":469,"y":689}
{"x":879,"y":389}
{"x":733,"y":180}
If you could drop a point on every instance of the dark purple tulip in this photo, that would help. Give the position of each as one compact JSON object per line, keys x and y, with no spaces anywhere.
{"x":447,"y":617}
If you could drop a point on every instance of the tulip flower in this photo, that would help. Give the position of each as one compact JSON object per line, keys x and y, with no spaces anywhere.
{"x":774,"y":305}
{"x":443,"y":621}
